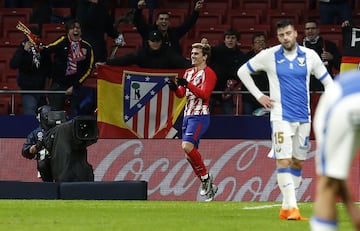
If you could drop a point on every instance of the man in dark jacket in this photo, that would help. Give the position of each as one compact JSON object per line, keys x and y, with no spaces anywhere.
{"x":250,"y":104}
{"x":327,"y":50}
{"x":33,"y":72}
{"x":226,"y":58}
{"x":73,"y":63}
{"x":171,"y":35}
{"x":33,"y":148}
{"x":152,"y":55}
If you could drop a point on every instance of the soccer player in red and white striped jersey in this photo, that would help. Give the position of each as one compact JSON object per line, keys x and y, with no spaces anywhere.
{"x":197,"y":85}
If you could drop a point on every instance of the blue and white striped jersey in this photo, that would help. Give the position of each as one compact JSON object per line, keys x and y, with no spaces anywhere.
{"x":289,"y":77}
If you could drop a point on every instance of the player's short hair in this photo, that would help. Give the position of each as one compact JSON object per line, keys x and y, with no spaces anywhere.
{"x":284,"y":23}
{"x":206,"y":49}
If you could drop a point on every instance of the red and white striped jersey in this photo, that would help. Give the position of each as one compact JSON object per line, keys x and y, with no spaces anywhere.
{"x":198,"y":91}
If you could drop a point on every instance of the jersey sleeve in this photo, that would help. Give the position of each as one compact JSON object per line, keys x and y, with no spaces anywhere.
{"x":253,"y":65}
{"x":209,"y":84}
{"x":319,"y":70}
{"x":257,"y":62}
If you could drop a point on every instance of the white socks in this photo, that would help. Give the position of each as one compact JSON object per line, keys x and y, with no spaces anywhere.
{"x":296,"y":175}
{"x":318,"y":224}
{"x":287,"y":188}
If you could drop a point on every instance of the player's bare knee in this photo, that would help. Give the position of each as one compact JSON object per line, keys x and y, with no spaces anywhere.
{"x":283,"y":163}
{"x":297,"y":164}
{"x":187,"y":146}
{"x":328,"y":183}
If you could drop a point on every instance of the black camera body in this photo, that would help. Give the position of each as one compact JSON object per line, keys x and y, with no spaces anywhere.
{"x":55,"y":118}
{"x":85,"y":128}
{"x":67,"y":142}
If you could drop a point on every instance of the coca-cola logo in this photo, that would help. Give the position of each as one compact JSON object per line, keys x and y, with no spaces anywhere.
{"x":241,"y":169}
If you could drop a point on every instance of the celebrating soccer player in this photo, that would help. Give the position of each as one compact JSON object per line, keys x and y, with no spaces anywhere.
{"x":197,"y":85}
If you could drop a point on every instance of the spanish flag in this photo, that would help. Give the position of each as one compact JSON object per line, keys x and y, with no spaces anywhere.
{"x":351,"y":49}
{"x":136,"y":103}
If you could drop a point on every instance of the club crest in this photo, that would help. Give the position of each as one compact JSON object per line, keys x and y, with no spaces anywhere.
{"x":301,"y":61}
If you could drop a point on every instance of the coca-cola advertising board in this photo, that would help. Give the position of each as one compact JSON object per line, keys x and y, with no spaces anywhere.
{"x":241,"y":168}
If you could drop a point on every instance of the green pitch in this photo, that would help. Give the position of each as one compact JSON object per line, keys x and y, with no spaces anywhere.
{"x":67,"y":215}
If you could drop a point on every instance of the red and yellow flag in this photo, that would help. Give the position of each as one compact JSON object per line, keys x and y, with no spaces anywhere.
{"x":136,"y":102}
{"x":351,"y":49}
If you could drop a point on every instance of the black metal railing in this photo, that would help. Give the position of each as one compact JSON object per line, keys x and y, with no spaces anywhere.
{"x":237,"y":94}
{"x":14,"y":92}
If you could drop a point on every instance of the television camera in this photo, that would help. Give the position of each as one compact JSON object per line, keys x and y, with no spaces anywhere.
{"x":67,"y":142}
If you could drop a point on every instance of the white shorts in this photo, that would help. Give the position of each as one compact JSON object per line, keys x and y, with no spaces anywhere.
{"x":290,"y":139}
{"x":337,"y":131}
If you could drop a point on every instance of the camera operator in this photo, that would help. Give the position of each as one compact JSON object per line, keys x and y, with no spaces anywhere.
{"x":60,"y":146}
{"x":33,"y":147}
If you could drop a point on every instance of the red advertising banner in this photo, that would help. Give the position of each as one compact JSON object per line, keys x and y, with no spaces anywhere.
{"x":241,"y":168}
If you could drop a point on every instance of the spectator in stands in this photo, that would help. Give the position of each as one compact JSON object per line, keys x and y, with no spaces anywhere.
{"x":154,"y":54}
{"x":97,"y":23}
{"x":335,"y":11}
{"x":150,"y":4}
{"x":226,"y":58}
{"x":33,"y":72}
{"x":327,"y":50}
{"x":249,"y":103}
{"x":34,"y":148}
{"x":171,"y":35}
{"x":73,"y":62}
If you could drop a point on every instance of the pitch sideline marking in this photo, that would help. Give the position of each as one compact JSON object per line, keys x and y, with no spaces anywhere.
{"x":261,"y":207}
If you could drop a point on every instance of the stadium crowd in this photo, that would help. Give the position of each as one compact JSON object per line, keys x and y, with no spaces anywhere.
{"x":121,"y":27}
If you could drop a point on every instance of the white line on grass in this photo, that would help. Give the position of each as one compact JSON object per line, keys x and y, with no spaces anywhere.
{"x":261,"y":206}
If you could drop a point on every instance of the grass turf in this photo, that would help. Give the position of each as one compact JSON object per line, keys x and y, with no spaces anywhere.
{"x":104,"y":215}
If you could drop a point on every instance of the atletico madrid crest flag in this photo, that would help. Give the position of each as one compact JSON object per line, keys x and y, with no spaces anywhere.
{"x":136,"y":102}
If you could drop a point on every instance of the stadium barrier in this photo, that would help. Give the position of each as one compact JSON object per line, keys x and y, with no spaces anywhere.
{"x":240,"y":167}
{"x":118,"y":190}
{"x":29,"y":190}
